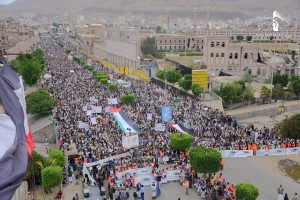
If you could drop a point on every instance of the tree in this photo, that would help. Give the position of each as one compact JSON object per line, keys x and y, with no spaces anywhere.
{"x":289,"y":127}
{"x":113,"y":87}
{"x":205,"y":160}
{"x":127,"y":98}
{"x":56,"y":157}
{"x":181,"y":141}
{"x":39,"y":102}
{"x":278,"y":91}
{"x":296,"y":85}
{"x":248,"y":38}
{"x":161,"y":74}
{"x":51,"y":177}
{"x":148,"y":46}
{"x":31,"y":72}
{"x":173,"y":76}
{"x":233,"y":91}
{"x":196,"y":89}
{"x":245,"y":191}
{"x":158,"y":29}
{"x":280,"y":79}
{"x":240,"y":37}
{"x":264,"y":92}
{"x":103,"y":81}
{"x":249,"y":92}
{"x":186,"y":82}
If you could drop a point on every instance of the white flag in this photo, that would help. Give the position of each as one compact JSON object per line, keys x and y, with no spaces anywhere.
{"x":149,"y":116}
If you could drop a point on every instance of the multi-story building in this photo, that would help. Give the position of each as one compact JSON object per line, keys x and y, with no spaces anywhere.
{"x":13,"y":32}
{"x":221,"y":54}
{"x":266,"y":34}
{"x":178,"y":42}
{"x":123,"y":47}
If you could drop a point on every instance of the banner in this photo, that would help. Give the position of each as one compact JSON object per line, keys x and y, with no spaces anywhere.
{"x":145,"y":171}
{"x":107,"y":109}
{"x":166,"y":159}
{"x":292,"y":151}
{"x":230,"y":153}
{"x":173,"y":175}
{"x":126,"y":173}
{"x":131,"y":141}
{"x":84,"y":126}
{"x":84,"y":108}
{"x":277,"y":152}
{"x":89,"y":112}
{"x":94,"y":120}
{"x":160,"y":127}
{"x":149,"y":116}
{"x":262,"y":152}
{"x":245,"y":153}
{"x":145,"y":180}
{"x":166,"y":114}
{"x":96,"y":109}
{"x":112,"y":101}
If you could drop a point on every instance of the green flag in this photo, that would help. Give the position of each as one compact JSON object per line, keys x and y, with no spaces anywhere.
{"x":176,"y":101}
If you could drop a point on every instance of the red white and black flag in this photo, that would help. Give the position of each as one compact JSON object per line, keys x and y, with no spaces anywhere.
{"x":16,"y":141}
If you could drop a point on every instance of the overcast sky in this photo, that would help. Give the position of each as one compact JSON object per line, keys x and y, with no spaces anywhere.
{"x":5,"y":2}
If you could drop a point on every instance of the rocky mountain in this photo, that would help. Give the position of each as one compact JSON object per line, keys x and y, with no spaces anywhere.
{"x":219,"y":9}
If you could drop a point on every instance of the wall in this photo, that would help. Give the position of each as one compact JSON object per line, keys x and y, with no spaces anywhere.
{"x":22,"y":192}
{"x":47,"y":131}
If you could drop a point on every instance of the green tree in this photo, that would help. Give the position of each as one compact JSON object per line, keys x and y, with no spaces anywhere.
{"x":173,"y":76}
{"x":113,"y":87}
{"x":127,"y":98}
{"x":51,"y":177}
{"x":205,"y":160}
{"x":31,"y":72}
{"x":148,"y":46}
{"x":181,"y":141}
{"x":232,"y":91}
{"x":186,"y":82}
{"x":249,"y":92}
{"x":296,"y":86}
{"x":245,"y":191}
{"x":240,"y":37}
{"x":196,"y":89}
{"x":289,"y":127}
{"x":248,"y":38}
{"x":161,"y":74}
{"x":56,"y":157}
{"x":39,"y":102}
{"x":264,"y":92}
{"x":280,"y":79}
{"x":158,"y":29}
{"x":278,"y":91}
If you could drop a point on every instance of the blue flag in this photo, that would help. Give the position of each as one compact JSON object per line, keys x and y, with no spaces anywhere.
{"x":166,"y":114}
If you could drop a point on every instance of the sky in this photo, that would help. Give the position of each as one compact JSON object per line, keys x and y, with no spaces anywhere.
{"x":6,"y":2}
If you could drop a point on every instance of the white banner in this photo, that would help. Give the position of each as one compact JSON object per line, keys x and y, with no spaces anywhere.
{"x":131,"y":141}
{"x":107,"y":109}
{"x":166,"y":159}
{"x":145,"y":171}
{"x":84,"y":126}
{"x":96,"y":109}
{"x":230,"y":153}
{"x":160,"y":127}
{"x":112,"y":101}
{"x":173,"y":175}
{"x":144,"y":180}
{"x":291,"y":151}
{"x":94,"y":120}
{"x":149,"y":116}
{"x":84,"y":108}
{"x":277,"y":152}
{"x":126,"y":173}
{"x":89,"y":112}
{"x":263,"y":152}
{"x":245,"y":153}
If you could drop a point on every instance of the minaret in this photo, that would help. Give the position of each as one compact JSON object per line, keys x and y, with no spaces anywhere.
{"x":207,"y":17}
{"x":195,"y":18}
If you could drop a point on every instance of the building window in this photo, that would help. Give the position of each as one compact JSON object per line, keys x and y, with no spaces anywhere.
{"x":223,"y":44}
{"x":166,"y":47}
{"x":222,"y":54}
{"x":87,"y":43}
{"x":179,"y":47}
{"x":165,"y":41}
{"x":179,"y":41}
{"x":230,"y":56}
{"x":218,"y":44}
{"x":160,"y":41}
{"x":217,"y":55}
{"x":170,"y":41}
{"x":236,"y":56}
{"x":174,"y":47}
{"x":211,"y":55}
{"x":160,"y":47}
{"x":246,"y":56}
{"x":184,"y":41}
{"x":212,"y":44}
{"x":198,"y":41}
{"x":170,"y":47}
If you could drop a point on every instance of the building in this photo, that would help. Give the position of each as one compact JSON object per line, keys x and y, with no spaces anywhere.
{"x":86,"y":42}
{"x":123,"y":47}
{"x":221,"y":54}
{"x":266,"y":34}
{"x":178,"y":42}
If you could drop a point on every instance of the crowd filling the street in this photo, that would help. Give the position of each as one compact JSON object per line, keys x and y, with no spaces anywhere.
{"x":77,"y":91}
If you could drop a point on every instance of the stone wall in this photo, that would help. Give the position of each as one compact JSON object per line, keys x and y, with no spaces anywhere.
{"x":47,"y":131}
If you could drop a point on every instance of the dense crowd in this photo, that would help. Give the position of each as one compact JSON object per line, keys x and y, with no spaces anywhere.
{"x":74,"y":87}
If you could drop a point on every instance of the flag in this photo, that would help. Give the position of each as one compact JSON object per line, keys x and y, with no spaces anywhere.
{"x":181,"y":128}
{"x":176,"y":102}
{"x":166,"y":114}
{"x":16,"y":140}
{"x":124,"y":122}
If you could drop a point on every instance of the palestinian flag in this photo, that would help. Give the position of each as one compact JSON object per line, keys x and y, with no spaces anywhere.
{"x":125,"y":123}
{"x":181,"y":128}
{"x":16,"y":140}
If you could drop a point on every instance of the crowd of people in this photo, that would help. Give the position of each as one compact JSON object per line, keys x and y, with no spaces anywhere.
{"x":74,"y":87}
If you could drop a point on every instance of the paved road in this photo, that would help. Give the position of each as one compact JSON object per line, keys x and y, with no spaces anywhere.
{"x":262,"y":172}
